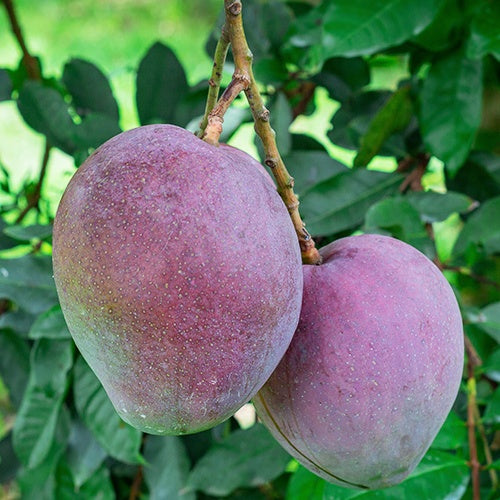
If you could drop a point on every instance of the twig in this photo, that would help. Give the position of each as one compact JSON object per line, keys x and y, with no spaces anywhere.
{"x":474,"y":464}
{"x":33,"y":71}
{"x":214,"y":82}
{"x":34,"y":199}
{"x":244,"y":80}
{"x":467,"y":272}
{"x":30,"y":62}
{"x":135,"y":489}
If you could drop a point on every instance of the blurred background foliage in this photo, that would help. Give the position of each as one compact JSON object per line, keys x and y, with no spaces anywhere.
{"x":388,"y":116}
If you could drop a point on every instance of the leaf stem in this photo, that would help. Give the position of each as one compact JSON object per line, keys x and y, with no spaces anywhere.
{"x":243,"y":79}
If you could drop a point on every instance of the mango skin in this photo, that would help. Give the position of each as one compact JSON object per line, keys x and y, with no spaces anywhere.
{"x":179,"y":276}
{"x":374,"y":367}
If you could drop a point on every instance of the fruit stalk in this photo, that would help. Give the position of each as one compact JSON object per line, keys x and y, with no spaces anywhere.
{"x":215,"y":79}
{"x":243,"y":79}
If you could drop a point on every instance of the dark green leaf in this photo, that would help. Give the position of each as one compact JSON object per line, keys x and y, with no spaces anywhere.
{"x":254,"y":458}
{"x":355,"y":27}
{"x":353,"y":120}
{"x":28,"y":233}
{"x":5,"y":85}
{"x":452,"y":434}
{"x":89,"y":89}
{"x":39,"y":482}
{"x":450,"y":108}
{"x":492,"y":412}
{"x":14,"y":364}
{"x":84,"y":454}
{"x":161,"y":84}
{"x":98,"y":486}
{"x":439,"y":475}
{"x":398,"y":218}
{"x":28,"y":282}
{"x":341,"y":202}
{"x":479,"y":178}
{"x":119,"y":439}
{"x":485,"y":35}
{"x":94,"y":130}
{"x":50,"y":325}
{"x":482,"y":228}
{"x":302,"y":142}
{"x":36,"y":421}
{"x":393,"y":117}
{"x":445,"y":30}
{"x":270,"y":71}
{"x":167,"y":468}
{"x":45,"y":110}
{"x":343,"y":76}
{"x":308,"y":168}
{"x":434,"y":207}
{"x":305,"y":484}
{"x":9,"y":464}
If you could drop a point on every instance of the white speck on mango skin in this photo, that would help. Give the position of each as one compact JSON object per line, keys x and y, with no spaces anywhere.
{"x":145,"y":244}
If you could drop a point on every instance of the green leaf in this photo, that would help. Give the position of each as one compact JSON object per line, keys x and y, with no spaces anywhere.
{"x":50,"y":325}
{"x":452,"y":434}
{"x":450,"y":108}
{"x":342,"y":76}
{"x":95,"y":130}
{"x":490,"y":320}
{"x":5,"y":85}
{"x":492,"y":412}
{"x":98,"y":486}
{"x":119,"y":439}
{"x":19,"y":321}
{"x":90,"y":89}
{"x":341,"y":202}
{"x":308,"y":168}
{"x":491,"y":366}
{"x":305,"y":484}
{"x":254,"y":458}
{"x":281,"y":118}
{"x":28,"y":233}
{"x":39,"y":482}
{"x":36,"y":420}
{"x":14,"y":364}
{"x":355,"y":27}
{"x":28,"y":282}
{"x":485,"y":35}
{"x":161,"y":84}
{"x":481,"y":228}
{"x":439,"y":475}
{"x":434,"y":207}
{"x":167,"y":468}
{"x":45,"y":110}
{"x":84,"y":454}
{"x":479,"y":178}
{"x":393,"y":117}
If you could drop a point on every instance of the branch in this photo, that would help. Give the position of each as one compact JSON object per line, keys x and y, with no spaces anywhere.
{"x":244,"y":80}
{"x":467,"y":272}
{"x":33,"y":71}
{"x":135,"y":490}
{"x":30,"y":62}
{"x":34,"y":199}
{"x":471,"y":420}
